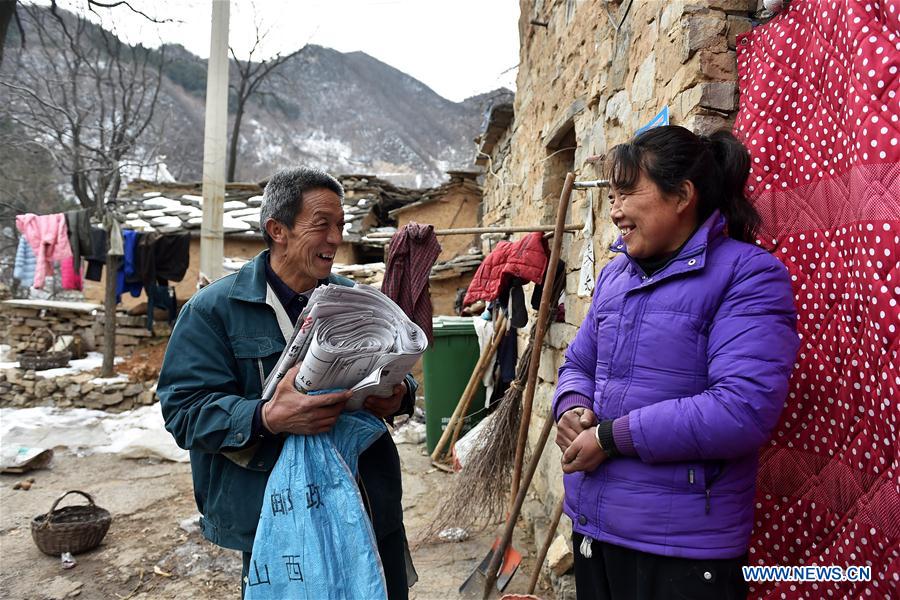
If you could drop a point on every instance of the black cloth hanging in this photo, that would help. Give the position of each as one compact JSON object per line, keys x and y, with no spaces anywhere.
{"x":96,"y":258}
{"x":172,"y":254}
{"x":162,"y":258}
{"x":78,"y":223}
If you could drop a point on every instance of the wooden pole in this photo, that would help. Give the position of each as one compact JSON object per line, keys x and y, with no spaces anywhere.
{"x":470,"y":230}
{"x":107,"y":369}
{"x":542,"y":555}
{"x":494,"y":567}
{"x":541,"y":325}
{"x":469,"y":392}
{"x":214,"y":145}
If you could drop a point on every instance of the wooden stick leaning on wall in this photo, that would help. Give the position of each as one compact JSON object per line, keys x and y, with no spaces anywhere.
{"x":542,"y":326}
{"x":459,"y":412}
{"x":542,"y":555}
{"x":516,"y":510}
{"x":499,"y":333}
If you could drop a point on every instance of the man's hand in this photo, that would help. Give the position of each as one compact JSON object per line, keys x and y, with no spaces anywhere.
{"x":292,"y":412}
{"x":386,"y":406}
{"x":584,"y":454}
{"x":571,"y":424}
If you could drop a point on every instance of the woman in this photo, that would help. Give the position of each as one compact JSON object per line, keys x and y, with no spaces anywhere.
{"x":676,"y":377}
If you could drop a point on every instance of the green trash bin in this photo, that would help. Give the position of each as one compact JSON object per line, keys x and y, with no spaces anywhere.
{"x":447,"y":366}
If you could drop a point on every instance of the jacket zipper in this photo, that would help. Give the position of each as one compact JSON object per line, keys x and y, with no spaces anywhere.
{"x":262,"y":378}
{"x":709,"y":483}
{"x":708,"y":489}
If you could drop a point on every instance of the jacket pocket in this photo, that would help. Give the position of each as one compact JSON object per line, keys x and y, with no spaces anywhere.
{"x":253,"y":354}
{"x":607,"y":338}
{"x":256,"y":346}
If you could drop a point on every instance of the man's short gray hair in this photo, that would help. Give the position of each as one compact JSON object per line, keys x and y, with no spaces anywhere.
{"x":283,"y":196}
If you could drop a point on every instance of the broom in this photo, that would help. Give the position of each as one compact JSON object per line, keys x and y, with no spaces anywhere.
{"x":477,"y":496}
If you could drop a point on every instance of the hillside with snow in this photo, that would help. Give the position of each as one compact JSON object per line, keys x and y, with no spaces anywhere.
{"x":344,"y":112}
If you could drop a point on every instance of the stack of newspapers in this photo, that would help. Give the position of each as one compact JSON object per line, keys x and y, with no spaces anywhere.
{"x":352,"y":338}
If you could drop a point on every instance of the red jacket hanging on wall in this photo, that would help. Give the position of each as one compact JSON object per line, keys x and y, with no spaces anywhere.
{"x":525,"y":258}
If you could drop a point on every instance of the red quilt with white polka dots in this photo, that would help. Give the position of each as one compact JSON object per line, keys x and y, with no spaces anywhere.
{"x":820,"y":113}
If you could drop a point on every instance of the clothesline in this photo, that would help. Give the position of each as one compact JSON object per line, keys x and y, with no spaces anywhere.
{"x":470,"y":230}
{"x":67,"y":238}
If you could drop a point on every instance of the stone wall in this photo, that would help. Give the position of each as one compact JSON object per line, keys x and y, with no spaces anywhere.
{"x":590,"y":74}
{"x":25,"y":388}
{"x":22,"y":317}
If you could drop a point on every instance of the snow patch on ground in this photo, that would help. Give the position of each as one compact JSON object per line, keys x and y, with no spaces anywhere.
{"x":138,"y":433}
{"x":93,"y":360}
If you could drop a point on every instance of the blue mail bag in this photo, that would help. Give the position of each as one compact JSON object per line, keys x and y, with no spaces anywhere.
{"x":314,"y":538}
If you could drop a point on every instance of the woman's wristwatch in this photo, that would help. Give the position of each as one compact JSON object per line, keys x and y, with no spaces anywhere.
{"x":605,"y":439}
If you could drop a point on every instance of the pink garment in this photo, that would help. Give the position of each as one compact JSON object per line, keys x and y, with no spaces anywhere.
{"x":71,"y":279}
{"x":48,"y":237}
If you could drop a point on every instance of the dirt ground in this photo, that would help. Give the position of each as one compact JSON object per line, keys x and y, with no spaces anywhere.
{"x":144,"y":363}
{"x":148,"y":555}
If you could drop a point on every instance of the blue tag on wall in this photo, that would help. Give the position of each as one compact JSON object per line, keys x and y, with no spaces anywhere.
{"x":661,"y":118}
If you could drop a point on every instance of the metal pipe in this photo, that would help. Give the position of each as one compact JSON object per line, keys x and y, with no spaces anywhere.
{"x":597,"y":183}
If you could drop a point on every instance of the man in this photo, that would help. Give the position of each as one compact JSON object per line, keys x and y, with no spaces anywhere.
{"x":228,"y":338}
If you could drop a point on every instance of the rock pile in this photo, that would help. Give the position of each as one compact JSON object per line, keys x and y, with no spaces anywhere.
{"x":23,"y":317}
{"x":369,"y":274}
{"x":25,"y":388}
{"x":457,"y":265}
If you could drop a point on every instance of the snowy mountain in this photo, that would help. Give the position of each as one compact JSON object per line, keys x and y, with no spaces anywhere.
{"x":347,"y":113}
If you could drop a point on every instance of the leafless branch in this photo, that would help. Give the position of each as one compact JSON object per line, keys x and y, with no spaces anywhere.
{"x":92,"y":4}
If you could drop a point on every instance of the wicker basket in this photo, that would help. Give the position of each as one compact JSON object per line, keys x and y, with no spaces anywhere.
{"x":72,"y":528}
{"x":38,"y":356}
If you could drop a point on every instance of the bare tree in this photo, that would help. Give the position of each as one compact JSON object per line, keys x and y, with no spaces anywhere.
{"x":7,"y":15}
{"x":84,"y":98}
{"x":247,"y":83}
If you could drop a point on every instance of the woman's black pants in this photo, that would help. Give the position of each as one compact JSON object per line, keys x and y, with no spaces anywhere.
{"x":617,"y":573}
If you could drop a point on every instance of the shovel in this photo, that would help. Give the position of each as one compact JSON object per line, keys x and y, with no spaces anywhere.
{"x":474,"y":583}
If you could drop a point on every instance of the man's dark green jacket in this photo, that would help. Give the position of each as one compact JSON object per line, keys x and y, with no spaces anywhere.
{"x":224,"y":344}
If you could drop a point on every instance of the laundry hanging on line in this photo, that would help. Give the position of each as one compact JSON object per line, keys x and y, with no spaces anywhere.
{"x":411,"y":256}
{"x":48,"y":237}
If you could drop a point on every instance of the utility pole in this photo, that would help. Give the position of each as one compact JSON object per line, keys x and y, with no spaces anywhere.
{"x":214,"y":144}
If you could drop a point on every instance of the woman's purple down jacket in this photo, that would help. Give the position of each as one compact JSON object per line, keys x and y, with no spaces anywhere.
{"x":698,"y":356}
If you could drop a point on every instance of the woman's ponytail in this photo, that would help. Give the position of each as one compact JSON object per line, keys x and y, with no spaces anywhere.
{"x":733,"y":161}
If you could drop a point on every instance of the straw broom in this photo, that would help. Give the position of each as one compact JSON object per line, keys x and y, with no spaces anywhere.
{"x":477,"y":496}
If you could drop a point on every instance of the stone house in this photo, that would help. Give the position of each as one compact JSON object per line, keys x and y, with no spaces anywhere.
{"x":177,"y":207}
{"x":453,"y":205}
{"x":591,"y":73}
{"x":368,"y":201}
